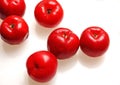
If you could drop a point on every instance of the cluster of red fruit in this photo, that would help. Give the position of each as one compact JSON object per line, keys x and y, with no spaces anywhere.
{"x":62,"y":43}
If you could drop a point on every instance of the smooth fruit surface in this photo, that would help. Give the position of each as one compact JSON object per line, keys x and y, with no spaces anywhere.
{"x":14,"y":29}
{"x":41,"y":66}
{"x":94,"y":41}
{"x":12,"y":7}
{"x":48,"y":13}
{"x":63,"y":43}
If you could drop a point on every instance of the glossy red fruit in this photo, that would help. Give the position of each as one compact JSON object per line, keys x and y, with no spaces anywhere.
{"x":63,"y":43}
{"x":48,"y":13}
{"x":12,"y":7}
{"x":41,"y":66}
{"x":94,"y":41}
{"x":14,"y":30}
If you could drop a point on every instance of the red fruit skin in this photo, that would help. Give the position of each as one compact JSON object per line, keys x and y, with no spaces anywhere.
{"x":12,"y":7}
{"x":94,"y":41}
{"x":48,"y":13}
{"x":41,"y":66}
{"x":63,"y":43}
{"x":14,"y":30}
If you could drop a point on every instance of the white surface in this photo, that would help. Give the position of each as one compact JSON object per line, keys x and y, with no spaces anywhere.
{"x":79,"y":70}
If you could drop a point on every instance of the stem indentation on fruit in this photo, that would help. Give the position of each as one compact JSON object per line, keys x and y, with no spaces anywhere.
{"x":12,"y":26}
{"x":49,"y":11}
{"x":36,"y":65}
{"x":65,"y":35}
{"x":95,"y":35}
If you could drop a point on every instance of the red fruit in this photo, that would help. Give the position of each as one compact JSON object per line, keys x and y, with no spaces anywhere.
{"x":94,"y":41}
{"x":12,"y":7}
{"x":48,"y":13}
{"x":63,"y":43}
{"x":14,"y":30}
{"x":41,"y":66}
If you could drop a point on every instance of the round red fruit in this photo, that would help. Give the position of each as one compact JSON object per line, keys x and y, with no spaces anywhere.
{"x":41,"y":66}
{"x":48,"y":13}
{"x":12,"y":7}
{"x":14,"y":30}
{"x":63,"y":43}
{"x":94,"y":41}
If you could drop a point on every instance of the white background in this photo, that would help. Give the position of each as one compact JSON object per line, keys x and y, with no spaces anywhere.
{"x":80,"y":69}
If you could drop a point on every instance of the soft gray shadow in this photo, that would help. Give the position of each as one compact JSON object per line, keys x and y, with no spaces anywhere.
{"x":90,"y":62}
{"x":66,"y":64}
{"x":13,"y":50}
{"x":43,"y":32}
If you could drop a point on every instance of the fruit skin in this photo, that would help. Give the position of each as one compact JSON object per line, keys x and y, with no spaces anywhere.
{"x":94,"y":41}
{"x":14,"y":30}
{"x":12,"y":7}
{"x":41,"y":66}
{"x":48,"y":13}
{"x":63,"y":43}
